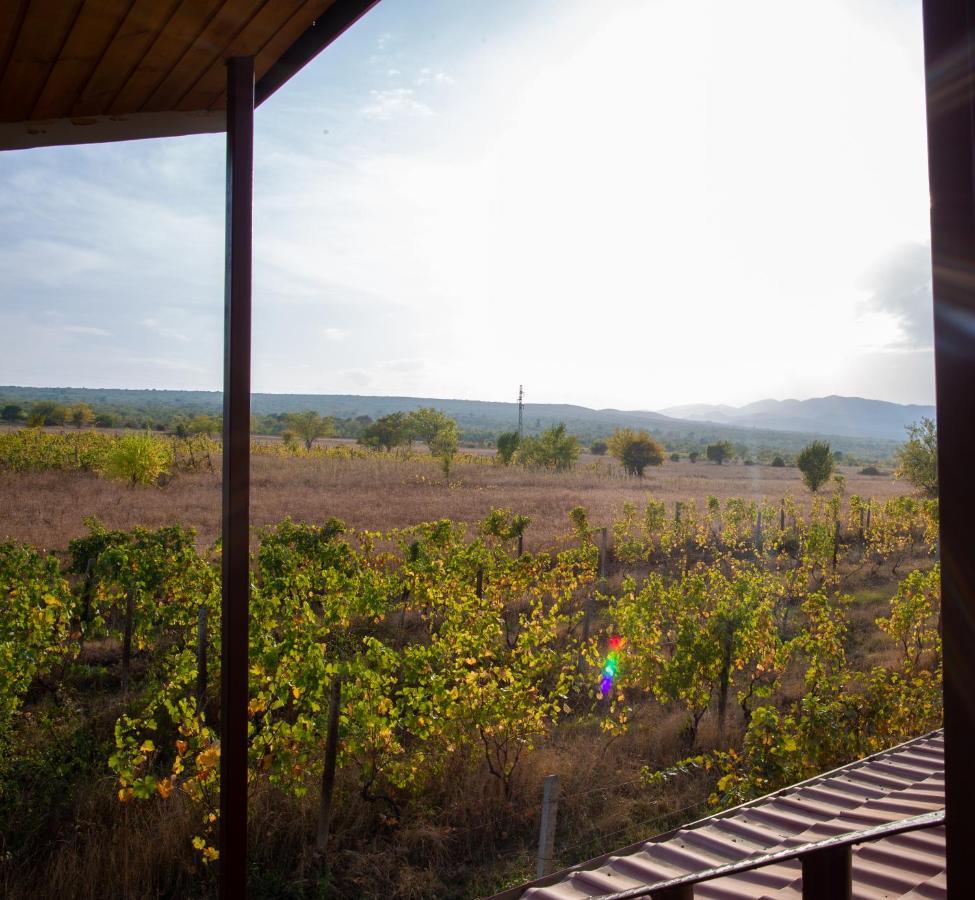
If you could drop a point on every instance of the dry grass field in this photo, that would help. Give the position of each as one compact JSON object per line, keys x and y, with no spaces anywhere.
{"x":47,"y":509}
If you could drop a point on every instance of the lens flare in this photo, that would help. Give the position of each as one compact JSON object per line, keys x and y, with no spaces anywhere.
{"x":611,"y":667}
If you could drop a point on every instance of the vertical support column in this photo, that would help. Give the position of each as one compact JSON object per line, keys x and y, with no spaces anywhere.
{"x":828,"y":874}
{"x":949,"y":45}
{"x":236,"y":480}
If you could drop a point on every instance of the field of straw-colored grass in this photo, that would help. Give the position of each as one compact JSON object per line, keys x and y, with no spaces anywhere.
{"x":383,"y":491}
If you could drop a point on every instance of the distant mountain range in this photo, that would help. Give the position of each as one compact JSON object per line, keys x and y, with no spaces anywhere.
{"x":861,"y":428}
{"x":848,"y":416}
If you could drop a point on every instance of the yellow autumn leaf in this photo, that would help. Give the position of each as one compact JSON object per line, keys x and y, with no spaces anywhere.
{"x":164,"y":788}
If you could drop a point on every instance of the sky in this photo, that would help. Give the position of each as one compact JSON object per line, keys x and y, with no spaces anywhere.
{"x":633,"y":204}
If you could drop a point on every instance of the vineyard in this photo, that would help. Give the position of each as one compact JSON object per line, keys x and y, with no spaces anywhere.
{"x":409,"y":688}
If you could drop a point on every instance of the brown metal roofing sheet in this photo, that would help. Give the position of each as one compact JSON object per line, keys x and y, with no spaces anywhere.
{"x":78,"y":71}
{"x":897,"y":784}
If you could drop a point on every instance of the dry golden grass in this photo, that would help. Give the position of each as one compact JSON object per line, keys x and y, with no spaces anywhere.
{"x":47,"y":509}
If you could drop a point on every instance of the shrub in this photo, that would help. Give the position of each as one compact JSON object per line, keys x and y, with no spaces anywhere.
{"x":598,"y":448}
{"x":917,"y":459}
{"x":674,"y":457}
{"x":816,"y":464}
{"x":720,"y":451}
{"x":138,"y":459}
{"x":508,"y":443}
{"x":554,"y":448}
{"x":635,"y":450}
{"x":778,"y":463}
{"x":870,"y":470}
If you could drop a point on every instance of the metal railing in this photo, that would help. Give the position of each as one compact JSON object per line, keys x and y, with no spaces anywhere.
{"x":827,"y":865}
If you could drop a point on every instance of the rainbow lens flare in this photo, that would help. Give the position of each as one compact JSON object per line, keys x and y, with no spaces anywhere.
{"x":612,"y":665}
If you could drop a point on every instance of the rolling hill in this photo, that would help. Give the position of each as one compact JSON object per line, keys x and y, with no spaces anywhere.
{"x":848,"y":416}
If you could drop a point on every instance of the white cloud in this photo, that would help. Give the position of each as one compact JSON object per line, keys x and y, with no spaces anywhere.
{"x":89,"y":330}
{"x":394,"y":103}
{"x":335,"y":334}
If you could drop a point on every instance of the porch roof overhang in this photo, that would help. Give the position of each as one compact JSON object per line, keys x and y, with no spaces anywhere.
{"x":91,"y":71}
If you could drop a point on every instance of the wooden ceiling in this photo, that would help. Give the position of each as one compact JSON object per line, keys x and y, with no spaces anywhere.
{"x":78,"y":71}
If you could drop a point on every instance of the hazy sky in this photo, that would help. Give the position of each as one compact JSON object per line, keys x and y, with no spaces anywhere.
{"x":633,"y":203}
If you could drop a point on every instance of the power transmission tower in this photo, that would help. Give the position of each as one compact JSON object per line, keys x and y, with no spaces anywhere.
{"x":521,"y":409}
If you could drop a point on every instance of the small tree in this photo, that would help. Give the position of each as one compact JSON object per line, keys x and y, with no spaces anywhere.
{"x":385,"y":433}
{"x":423,"y":424}
{"x":80,"y":414}
{"x":635,"y":450}
{"x":554,"y":448}
{"x":778,"y":462}
{"x":508,"y":442}
{"x":675,"y":457}
{"x":917,"y":459}
{"x":693,"y":456}
{"x":46,"y":412}
{"x":138,"y":459}
{"x":720,"y":451}
{"x":290,"y":440}
{"x":443,"y":445}
{"x":816,"y":464}
{"x":12,"y":412}
{"x":310,"y":425}
{"x":598,"y":448}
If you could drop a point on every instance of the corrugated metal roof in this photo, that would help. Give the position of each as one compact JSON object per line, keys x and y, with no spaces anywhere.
{"x":905,"y":781}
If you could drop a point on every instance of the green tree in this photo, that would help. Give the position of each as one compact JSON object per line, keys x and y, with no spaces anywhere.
{"x":693,"y":456}
{"x":80,"y":414}
{"x":46,"y":412}
{"x":720,"y":451}
{"x":554,"y":448}
{"x":635,"y":450}
{"x":424,"y":423}
{"x":815,"y":461}
{"x":598,"y":448}
{"x":508,"y":442}
{"x":309,"y":425}
{"x":917,"y":459}
{"x":138,"y":459}
{"x":778,"y":462}
{"x":12,"y":412}
{"x":385,"y":433}
{"x":443,"y":445}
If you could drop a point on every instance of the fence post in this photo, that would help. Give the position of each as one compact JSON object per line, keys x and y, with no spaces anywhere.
{"x":479,"y":587}
{"x":603,"y":550}
{"x":836,"y":541}
{"x":328,"y":770}
{"x":201,"y":660}
{"x":827,"y":874}
{"x":546,"y":834}
{"x":127,"y":640}
{"x":521,"y":543}
{"x":758,"y":534}
{"x":681,"y":892}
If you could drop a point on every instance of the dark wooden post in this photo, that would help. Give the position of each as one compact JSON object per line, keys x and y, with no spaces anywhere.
{"x":603,"y":550}
{"x":828,"y":874}
{"x":201,"y":659}
{"x":328,"y":768}
{"x":127,"y":639}
{"x":236,"y":480}
{"x":479,"y":586}
{"x":681,"y":892}
{"x":546,"y":831}
{"x":949,"y":56}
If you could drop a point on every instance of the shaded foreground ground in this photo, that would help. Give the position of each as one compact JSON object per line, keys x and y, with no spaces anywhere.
{"x":47,"y":509}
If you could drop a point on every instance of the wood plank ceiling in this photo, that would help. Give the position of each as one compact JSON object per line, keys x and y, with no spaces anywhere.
{"x":75,"y":71}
